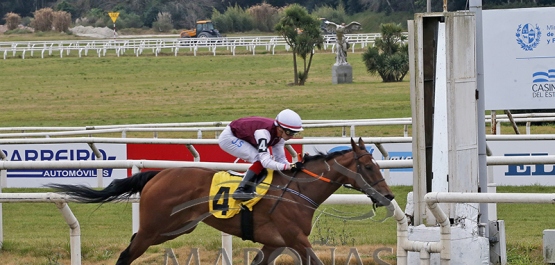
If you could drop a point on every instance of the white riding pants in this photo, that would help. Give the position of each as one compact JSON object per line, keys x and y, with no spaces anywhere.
{"x":237,"y":147}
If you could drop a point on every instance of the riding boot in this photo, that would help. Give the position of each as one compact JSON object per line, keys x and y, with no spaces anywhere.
{"x":244,"y":193}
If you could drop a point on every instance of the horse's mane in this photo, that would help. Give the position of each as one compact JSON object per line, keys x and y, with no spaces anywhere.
{"x":325,"y":156}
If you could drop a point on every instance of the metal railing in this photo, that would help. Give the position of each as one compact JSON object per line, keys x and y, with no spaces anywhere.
{"x":177,"y":46}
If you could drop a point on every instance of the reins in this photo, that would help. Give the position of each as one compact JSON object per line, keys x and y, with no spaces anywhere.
{"x":324,"y":179}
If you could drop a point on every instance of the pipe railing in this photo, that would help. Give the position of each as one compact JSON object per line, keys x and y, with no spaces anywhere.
{"x":218,"y":126}
{"x":61,"y":200}
{"x":434,"y":198}
{"x":156,"y":45}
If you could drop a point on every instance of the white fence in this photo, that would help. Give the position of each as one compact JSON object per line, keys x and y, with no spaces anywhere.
{"x":75,"y":229}
{"x":200,"y":127}
{"x":175,"y":45}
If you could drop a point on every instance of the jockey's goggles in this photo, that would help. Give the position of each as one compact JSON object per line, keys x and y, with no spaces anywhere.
{"x":289,"y":132}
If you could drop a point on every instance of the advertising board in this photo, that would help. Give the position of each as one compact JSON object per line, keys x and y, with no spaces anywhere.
{"x":26,"y":178}
{"x":520,"y":175}
{"x":519,"y":58}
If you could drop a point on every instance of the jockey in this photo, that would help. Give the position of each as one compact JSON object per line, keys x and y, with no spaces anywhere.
{"x":249,"y":138}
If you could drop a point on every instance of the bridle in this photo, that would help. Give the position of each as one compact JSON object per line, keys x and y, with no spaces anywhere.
{"x":359,"y":169}
{"x":327,"y":180}
{"x":364,"y":188}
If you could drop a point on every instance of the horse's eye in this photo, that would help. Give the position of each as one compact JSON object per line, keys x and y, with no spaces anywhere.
{"x":369,"y":167}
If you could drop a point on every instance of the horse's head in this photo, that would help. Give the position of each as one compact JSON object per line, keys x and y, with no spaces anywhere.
{"x":364,"y":174}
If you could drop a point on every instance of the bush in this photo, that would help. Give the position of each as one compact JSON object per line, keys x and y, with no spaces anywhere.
{"x":163,"y":22}
{"x":337,"y":16}
{"x":130,"y":21}
{"x":95,"y":17}
{"x":389,"y":57}
{"x":234,"y":19}
{"x":12,"y":20}
{"x":265,"y":16}
{"x":221,"y":22}
{"x":26,"y":21}
{"x":61,"y":20}
{"x":43,"y":19}
{"x":101,"y":23}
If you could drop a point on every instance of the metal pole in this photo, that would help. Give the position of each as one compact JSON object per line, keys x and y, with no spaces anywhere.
{"x":476,"y":7}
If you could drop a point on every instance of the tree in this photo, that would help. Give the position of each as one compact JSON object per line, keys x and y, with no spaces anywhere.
{"x":301,"y":31}
{"x":389,"y":57}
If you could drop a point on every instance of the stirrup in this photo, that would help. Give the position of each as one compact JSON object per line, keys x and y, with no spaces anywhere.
{"x":241,"y":195}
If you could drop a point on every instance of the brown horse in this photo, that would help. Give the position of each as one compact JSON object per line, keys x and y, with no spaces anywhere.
{"x":174,"y":200}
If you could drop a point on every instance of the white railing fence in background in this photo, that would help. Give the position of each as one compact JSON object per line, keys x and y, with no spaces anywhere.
{"x":348,"y":127}
{"x":137,"y":46}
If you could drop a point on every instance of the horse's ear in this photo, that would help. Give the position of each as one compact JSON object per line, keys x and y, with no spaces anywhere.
{"x":361,"y":143}
{"x":353,"y":145}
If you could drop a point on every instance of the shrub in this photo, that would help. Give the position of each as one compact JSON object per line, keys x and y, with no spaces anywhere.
{"x":61,"y":20}
{"x":26,"y":21}
{"x":222,"y":22}
{"x":130,"y":21}
{"x":335,"y":15}
{"x":235,"y":18}
{"x":265,"y":16}
{"x":12,"y":20}
{"x":95,"y":17}
{"x":389,"y":57}
{"x":43,"y":19}
{"x":101,"y":23}
{"x":163,"y":22}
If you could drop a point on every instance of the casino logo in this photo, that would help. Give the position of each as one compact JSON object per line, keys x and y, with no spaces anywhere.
{"x":528,"y":36}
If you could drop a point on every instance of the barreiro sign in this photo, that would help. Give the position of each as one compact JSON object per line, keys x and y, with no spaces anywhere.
{"x":519,"y":58}
{"x":61,"y":152}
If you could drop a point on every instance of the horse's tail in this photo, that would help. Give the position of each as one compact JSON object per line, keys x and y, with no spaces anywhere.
{"x":117,"y":190}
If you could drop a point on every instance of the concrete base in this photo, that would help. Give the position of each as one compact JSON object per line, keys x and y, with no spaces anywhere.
{"x":341,"y":74}
{"x":466,"y":247}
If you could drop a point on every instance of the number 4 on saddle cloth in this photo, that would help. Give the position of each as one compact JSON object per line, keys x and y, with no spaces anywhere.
{"x":222,"y":205}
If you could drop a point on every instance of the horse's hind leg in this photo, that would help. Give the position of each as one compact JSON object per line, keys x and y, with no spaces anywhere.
{"x":139,"y":244}
{"x":263,"y":257}
{"x":124,"y":256}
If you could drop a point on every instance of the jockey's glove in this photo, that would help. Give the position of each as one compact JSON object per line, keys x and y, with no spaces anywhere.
{"x":297,"y":166}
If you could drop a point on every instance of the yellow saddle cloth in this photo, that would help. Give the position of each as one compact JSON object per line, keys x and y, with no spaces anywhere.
{"x":222,"y":205}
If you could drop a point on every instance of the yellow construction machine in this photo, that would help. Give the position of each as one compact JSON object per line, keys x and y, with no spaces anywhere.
{"x":204,"y":29}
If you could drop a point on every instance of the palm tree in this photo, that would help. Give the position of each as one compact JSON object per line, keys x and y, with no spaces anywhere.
{"x":301,"y":31}
{"x":389,"y":57}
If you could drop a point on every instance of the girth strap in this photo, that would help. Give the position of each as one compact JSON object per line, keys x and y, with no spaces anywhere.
{"x":247,"y":224}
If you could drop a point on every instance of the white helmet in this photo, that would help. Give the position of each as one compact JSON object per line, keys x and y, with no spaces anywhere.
{"x":289,"y":119}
